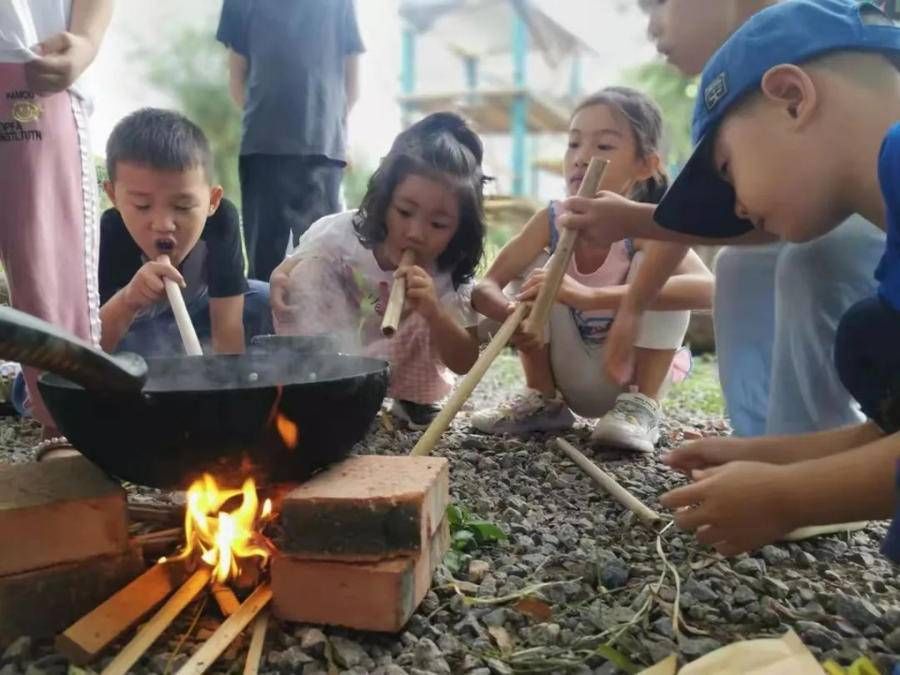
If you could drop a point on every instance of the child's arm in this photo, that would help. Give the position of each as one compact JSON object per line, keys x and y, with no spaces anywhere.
{"x":744,"y":505}
{"x":237,"y":77}
{"x":145,"y":288}
{"x":610,"y":217}
{"x":226,"y":316}
{"x":710,"y":452}
{"x":514,"y":258}
{"x":457,"y":346}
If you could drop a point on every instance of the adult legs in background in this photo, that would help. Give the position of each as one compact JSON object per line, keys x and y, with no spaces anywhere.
{"x":48,"y":224}
{"x":815,"y":284}
{"x":744,"y":319}
{"x":282,"y":195}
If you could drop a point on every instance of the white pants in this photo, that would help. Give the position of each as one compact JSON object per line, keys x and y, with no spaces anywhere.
{"x":777,"y":308}
{"x":578,"y":367}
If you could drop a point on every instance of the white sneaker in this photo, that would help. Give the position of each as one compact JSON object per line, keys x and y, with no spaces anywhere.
{"x":632,"y":424}
{"x":526,"y":412}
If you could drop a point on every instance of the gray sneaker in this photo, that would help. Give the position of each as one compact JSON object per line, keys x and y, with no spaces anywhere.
{"x":632,"y":424}
{"x":525,"y":413}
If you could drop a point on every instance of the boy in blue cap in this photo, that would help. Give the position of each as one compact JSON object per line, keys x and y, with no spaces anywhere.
{"x":796,"y":129}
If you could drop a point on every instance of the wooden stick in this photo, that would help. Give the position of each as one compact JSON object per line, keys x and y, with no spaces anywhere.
{"x":218,"y":642}
{"x":559,"y":262}
{"x":647,"y":515}
{"x":86,"y":638}
{"x":469,"y":382}
{"x":257,"y":642}
{"x":168,"y":536}
{"x":182,"y":318}
{"x":225,"y":599}
{"x":141,"y":642}
{"x":156,"y":513}
{"x":394,"y":308}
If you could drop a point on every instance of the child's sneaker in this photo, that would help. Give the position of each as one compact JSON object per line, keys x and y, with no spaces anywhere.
{"x":416,"y":415}
{"x":632,"y":424}
{"x":525,"y":413}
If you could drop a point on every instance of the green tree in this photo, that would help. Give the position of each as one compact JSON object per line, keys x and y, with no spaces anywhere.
{"x":193,"y":70}
{"x":675,"y":95}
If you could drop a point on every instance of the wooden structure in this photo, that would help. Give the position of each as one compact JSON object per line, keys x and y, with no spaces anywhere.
{"x":496,"y":43}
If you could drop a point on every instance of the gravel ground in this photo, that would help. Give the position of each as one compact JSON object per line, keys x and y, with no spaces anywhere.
{"x":576,"y":586}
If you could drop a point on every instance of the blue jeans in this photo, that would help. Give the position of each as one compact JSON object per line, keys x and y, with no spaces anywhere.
{"x":777,"y":309}
{"x":159,"y":336}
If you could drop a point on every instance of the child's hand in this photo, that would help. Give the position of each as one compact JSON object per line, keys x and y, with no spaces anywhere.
{"x":618,"y":357}
{"x":279,"y":291}
{"x":600,"y":220}
{"x":420,"y":293}
{"x":148,"y":287}
{"x":571,"y":293}
{"x":705,"y":454}
{"x":737,"y":507}
{"x":63,"y":57}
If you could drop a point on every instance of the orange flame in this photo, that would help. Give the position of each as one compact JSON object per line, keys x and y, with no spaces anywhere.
{"x":289,"y":432}
{"x":225,"y":537}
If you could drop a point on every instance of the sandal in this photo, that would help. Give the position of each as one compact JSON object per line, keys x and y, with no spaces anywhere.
{"x":54,"y":448}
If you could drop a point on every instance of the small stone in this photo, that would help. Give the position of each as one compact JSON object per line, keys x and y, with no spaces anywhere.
{"x":857,"y":611}
{"x":892,"y":640}
{"x":418,"y":625}
{"x":9,"y":669}
{"x":543,"y":634}
{"x":488,"y":587}
{"x":818,"y":636}
{"x":34,"y":670}
{"x":775,"y":555}
{"x":750,"y":566}
{"x":478,"y":671}
{"x":390,"y":669}
{"x":314,"y":669}
{"x":19,"y":650}
{"x":775,"y":588}
{"x":498,"y":667}
{"x":294,"y":658}
{"x":496,"y":617}
{"x":312,"y":640}
{"x":663,"y":626}
{"x":347,"y":652}
{"x":700,"y":590}
{"x":804,"y":560}
{"x":614,"y":574}
{"x":693,"y":648}
{"x":744,"y":595}
{"x":426,"y":651}
{"x":430,"y":603}
{"x":478,"y":569}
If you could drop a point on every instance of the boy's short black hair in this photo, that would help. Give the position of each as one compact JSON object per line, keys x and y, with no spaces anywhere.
{"x":162,"y":139}
{"x":443,"y":147}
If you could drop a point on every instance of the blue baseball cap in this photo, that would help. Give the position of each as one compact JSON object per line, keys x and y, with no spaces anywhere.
{"x":700,"y":202}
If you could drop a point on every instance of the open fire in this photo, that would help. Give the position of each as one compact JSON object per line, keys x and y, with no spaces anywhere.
{"x":224,"y":538}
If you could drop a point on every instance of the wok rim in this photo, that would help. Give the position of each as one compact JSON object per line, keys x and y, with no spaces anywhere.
{"x":369,"y":367}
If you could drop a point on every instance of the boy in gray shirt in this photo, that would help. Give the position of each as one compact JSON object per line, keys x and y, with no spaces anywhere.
{"x":293,"y":69}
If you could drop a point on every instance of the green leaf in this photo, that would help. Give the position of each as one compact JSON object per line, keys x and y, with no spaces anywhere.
{"x":618,"y":659}
{"x":453,"y":560}
{"x":462,"y":539}
{"x":454,"y":516}
{"x":486,"y":532}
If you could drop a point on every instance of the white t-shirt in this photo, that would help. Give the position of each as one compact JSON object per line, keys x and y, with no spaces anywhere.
{"x":339,"y":289}
{"x":25,"y":23}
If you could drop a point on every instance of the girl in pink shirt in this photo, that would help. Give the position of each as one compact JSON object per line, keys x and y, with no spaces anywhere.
{"x":624,"y":127}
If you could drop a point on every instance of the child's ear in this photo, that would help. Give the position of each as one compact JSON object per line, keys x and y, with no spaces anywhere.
{"x":110,"y":191}
{"x":648,"y":167}
{"x":216,"y":192}
{"x":791,"y":88}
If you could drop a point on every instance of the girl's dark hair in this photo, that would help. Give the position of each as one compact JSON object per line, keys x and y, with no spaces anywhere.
{"x":443,"y":147}
{"x":645,"y":119}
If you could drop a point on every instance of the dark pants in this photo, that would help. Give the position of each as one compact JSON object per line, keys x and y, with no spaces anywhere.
{"x":867,"y":355}
{"x":283,"y":195}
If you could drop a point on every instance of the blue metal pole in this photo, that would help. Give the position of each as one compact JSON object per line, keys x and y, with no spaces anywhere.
{"x":520,"y":103}
{"x":407,"y":68}
{"x":575,"y":77}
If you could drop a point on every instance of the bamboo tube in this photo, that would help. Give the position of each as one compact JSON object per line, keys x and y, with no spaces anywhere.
{"x":469,"y":382}
{"x":182,"y":318}
{"x":559,"y":262}
{"x":647,"y":515}
{"x":257,"y":642}
{"x":218,"y":642}
{"x":145,"y":637}
{"x":225,"y":599}
{"x":394,"y":308}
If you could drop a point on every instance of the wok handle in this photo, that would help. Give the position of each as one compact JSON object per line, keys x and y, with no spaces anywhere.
{"x":34,"y":342}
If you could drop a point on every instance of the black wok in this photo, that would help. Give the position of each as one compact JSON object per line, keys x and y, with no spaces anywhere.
{"x":165,"y":421}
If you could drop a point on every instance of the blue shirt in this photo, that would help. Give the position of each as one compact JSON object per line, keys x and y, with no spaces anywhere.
{"x":888,"y":272}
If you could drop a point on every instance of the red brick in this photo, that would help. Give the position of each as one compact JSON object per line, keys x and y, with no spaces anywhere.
{"x":373,"y":596}
{"x":43,"y":602}
{"x":59,"y":511}
{"x":367,"y":508}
